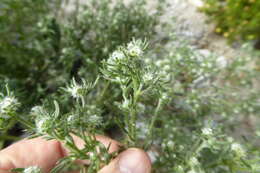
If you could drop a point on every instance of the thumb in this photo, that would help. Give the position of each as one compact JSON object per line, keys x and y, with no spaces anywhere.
{"x":132,"y":160}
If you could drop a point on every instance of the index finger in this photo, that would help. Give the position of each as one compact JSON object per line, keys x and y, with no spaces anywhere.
{"x":42,"y":153}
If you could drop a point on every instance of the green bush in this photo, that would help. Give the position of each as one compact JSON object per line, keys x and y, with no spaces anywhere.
{"x":104,"y":68}
{"x":235,"y":19}
{"x":48,"y":47}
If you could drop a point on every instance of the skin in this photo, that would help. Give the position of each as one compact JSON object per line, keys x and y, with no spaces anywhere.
{"x":38,"y":151}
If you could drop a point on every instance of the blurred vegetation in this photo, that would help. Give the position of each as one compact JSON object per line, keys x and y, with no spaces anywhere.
{"x":41,"y":47}
{"x":235,"y":19}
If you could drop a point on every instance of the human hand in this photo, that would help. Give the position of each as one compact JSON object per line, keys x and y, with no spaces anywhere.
{"x":42,"y":153}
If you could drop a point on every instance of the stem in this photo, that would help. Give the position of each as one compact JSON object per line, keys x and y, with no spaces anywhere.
{"x":151,"y":126}
{"x":132,"y":124}
{"x":103,"y":92}
{"x":24,"y":122}
{"x":83,"y":101}
{"x":133,"y":112}
{"x":8,"y":137}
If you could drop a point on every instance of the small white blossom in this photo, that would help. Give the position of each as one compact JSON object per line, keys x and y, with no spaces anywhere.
{"x":158,"y":63}
{"x":238,"y":149}
{"x":170,"y":144}
{"x":194,"y":161}
{"x":134,"y":49}
{"x":32,"y":169}
{"x":164,"y":96}
{"x":148,"y":77}
{"x":167,"y":67}
{"x":180,"y":169}
{"x":7,"y":104}
{"x":147,"y":60}
{"x":178,"y":57}
{"x":42,"y":125}
{"x":207,"y":131}
{"x":120,"y":79}
{"x":37,"y":110}
{"x":77,"y":90}
{"x":126,"y":104}
{"x":116,"y":55}
{"x":71,"y":118}
{"x":222,"y":62}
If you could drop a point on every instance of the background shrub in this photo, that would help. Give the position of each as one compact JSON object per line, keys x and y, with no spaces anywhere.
{"x":48,"y":47}
{"x":235,"y":19}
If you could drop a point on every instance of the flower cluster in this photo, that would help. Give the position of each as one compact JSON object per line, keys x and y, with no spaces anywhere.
{"x":8,"y":107}
{"x":78,"y":90}
{"x":32,"y":169}
{"x":125,"y":63}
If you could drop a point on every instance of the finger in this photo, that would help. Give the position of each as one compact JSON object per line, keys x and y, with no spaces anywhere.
{"x":40,"y":152}
{"x":30,"y":153}
{"x":132,"y":160}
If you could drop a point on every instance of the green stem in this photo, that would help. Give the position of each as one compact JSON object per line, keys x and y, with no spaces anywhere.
{"x":103,"y":92}
{"x":133,"y":112}
{"x":151,"y":126}
{"x":24,"y":122}
{"x":8,"y":137}
{"x":83,"y":101}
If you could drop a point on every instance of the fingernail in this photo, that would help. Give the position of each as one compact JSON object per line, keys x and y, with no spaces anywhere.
{"x":132,"y":162}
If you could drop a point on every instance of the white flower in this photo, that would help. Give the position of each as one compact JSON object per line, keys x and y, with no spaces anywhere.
{"x":148,"y":77}
{"x":77,"y":90}
{"x":158,"y":63}
{"x":134,"y":49}
{"x":32,"y":169}
{"x":7,"y":104}
{"x":37,"y":110}
{"x":194,"y":161}
{"x":222,"y":62}
{"x":170,"y":144}
{"x":238,"y":149}
{"x":43,"y":124}
{"x":116,"y":55}
{"x":126,"y":104}
{"x":207,"y":131}
{"x":120,"y":79}
{"x":167,"y":67}
{"x":180,"y":169}
{"x":164,"y":96}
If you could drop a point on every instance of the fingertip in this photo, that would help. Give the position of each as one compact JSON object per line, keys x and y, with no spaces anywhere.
{"x":134,"y":160}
